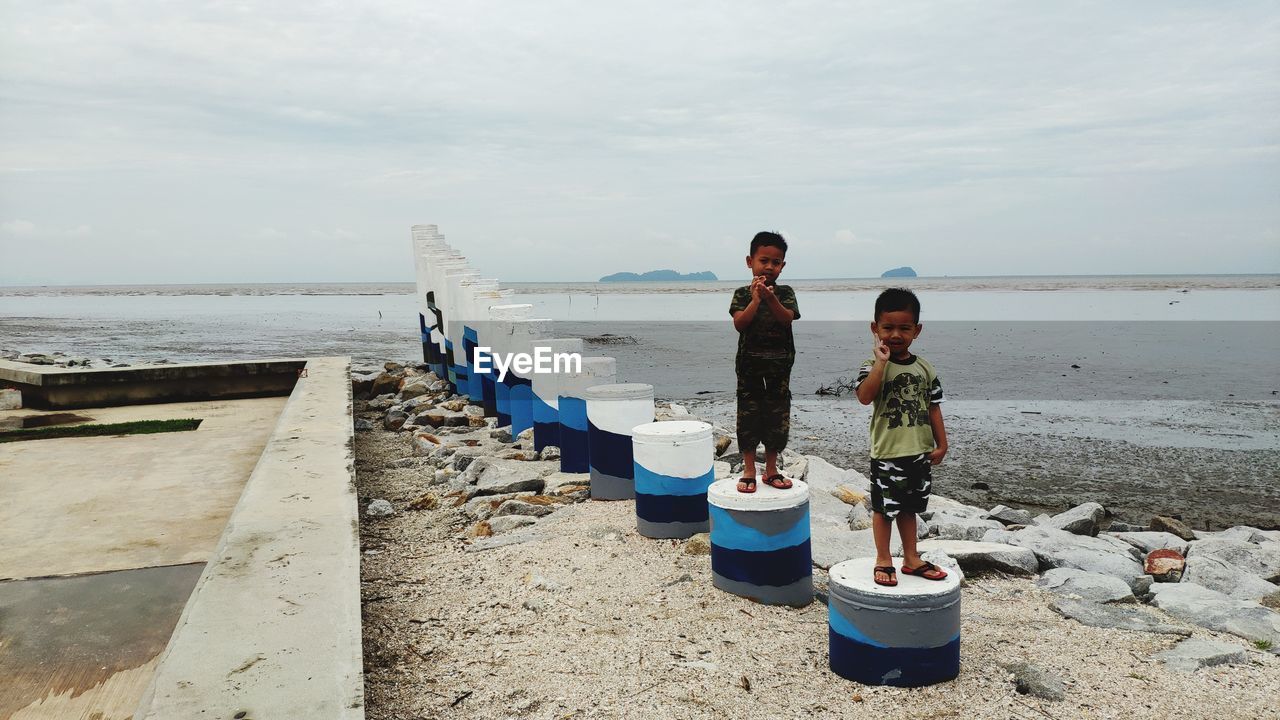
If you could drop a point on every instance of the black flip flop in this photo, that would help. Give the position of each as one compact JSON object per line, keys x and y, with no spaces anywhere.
{"x":778,"y":476}
{"x":750,"y":483}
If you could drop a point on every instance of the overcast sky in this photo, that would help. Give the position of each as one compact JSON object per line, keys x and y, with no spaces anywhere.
{"x":161,"y":142}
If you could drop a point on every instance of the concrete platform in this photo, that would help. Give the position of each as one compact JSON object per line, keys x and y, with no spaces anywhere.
{"x":93,"y":504}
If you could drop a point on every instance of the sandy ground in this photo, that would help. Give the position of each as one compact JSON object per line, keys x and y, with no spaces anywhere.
{"x":596,"y":621}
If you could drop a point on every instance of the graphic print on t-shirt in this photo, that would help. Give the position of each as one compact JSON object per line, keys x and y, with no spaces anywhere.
{"x":905,"y":402}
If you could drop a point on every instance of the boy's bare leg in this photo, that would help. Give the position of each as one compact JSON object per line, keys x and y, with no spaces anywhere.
{"x":770,"y":462}
{"x":882,"y":531}
{"x":748,"y":467}
{"x":907,"y":529}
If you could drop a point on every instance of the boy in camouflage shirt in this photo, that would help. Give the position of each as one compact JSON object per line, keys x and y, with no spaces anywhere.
{"x":762,"y":314}
{"x":907,"y":434}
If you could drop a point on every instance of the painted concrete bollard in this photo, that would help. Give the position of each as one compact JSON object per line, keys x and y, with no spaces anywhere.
{"x":436,"y":310}
{"x":908,"y":635}
{"x":501,"y":320}
{"x":519,"y":379}
{"x":760,"y":542}
{"x":612,"y":410}
{"x":468,"y":336}
{"x":673,"y":466}
{"x":451,"y":281}
{"x":546,"y":393}
{"x":460,"y":290}
{"x":478,"y":332}
{"x":574,"y":445}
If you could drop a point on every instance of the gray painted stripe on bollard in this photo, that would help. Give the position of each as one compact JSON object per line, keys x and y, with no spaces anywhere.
{"x":797,"y":594}
{"x":611,"y":487}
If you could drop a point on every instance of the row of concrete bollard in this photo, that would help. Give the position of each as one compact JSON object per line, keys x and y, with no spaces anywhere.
{"x":908,"y":635}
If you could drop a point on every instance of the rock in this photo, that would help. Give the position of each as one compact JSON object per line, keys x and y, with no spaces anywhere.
{"x":502,"y":434}
{"x":384,"y":383}
{"x":1040,"y":519}
{"x":1117,"y":526}
{"x":527,"y":506}
{"x":721,"y":469}
{"x":425,"y":443}
{"x":1165,"y":566}
{"x":1115,"y":616}
{"x":362,"y":384}
{"x":362,"y":425}
{"x":1058,"y":548}
{"x":938,"y":503}
{"x":1216,"y":611}
{"x":534,"y":605}
{"x":393,"y":367}
{"x":1192,"y":654}
{"x":1216,"y":574}
{"x":507,"y":523}
{"x":558,"y":480}
{"x":1081,"y":520}
{"x":482,"y":507}
{"x":526,"y":436}
{"x":525,"y":455}
{"x":35,"y":359}
{"x":1035,"y":681}
{"x":957,"y":527}
{"x":851,"y":496}
{"x":1247,"y":534}
{"x":978,"y":557}
{"x":1088,"y":586}
{"x":794,"y":466}
{"x":379,"y":508}
{"x":550,"y":452}
{"x":722,"y":443}
{"x":411,"y":388}
{"x":492,"y":476}
{"x":439,"y":417}
{"x":1147,"y":541}
{"x":473,"y":411}
{"x":1261,"y":559}
{"x":443,"y":475}
{"x":417,"y":404}
{"x":1008,"y":515}
{"x":458,"y":406}
{"x":394,"y":420}
{"x":382,"y":402}
{"x":1161,"y":523}
{"x":699,"y":544}
{"x":427,"y":501}
{"x":859,"y":517}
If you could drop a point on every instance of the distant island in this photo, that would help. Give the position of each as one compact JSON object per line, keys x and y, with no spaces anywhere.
{"x":666,"y":275}
{"x":903,"y":271}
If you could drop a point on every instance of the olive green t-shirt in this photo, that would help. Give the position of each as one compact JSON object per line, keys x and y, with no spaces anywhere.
{"x":766,"y":346}
{"x":900,"y":414}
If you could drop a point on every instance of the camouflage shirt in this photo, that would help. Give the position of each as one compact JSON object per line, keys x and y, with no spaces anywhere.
{"x":766,"y":346}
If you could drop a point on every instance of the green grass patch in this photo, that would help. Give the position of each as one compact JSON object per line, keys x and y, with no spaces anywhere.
{"x":137,"y":427}
{"x":1262,"y":644}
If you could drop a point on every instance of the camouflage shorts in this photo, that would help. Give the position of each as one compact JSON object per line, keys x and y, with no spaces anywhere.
{"x":764,"y":411}
{"x":901,"y":485}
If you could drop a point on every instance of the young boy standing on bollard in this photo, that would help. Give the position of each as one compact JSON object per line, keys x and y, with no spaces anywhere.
{"x":762,"y":314}
{"x":907,"y":434}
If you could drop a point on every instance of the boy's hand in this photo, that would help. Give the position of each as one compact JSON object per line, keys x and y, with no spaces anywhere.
{"x":936,"y":455}
{"x":757,"y":287}
{"x":880,"y":349}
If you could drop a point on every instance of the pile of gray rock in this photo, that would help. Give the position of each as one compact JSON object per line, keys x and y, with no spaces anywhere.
{"x":58,"y":359}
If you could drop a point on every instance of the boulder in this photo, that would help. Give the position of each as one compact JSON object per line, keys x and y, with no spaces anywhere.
{"x":384,"y":383}
{"x":533,"y":506}
{"x":1165,"y":566}
{"x":507,"y":523}
{"x":1192,"y":654}
{"x":1217,"y":611}
{"x":502,"y":434}
{"x":439,"y":417}
{"x":938,"y":503}
{"x":1247,"y":534}
{"x":555,"y":481}
{"x":1086,"y":585}
{"x":362,"y":384}
{"x":722,"y":443}
{"x":944,"y":561}
{"x":1031,"y":680}
{"x":957,"y":527}
{"x":362,"y":425}
{"x":1163,"y":523}
{"x":978,"y":557}
{"x":850,"y":496}
{"x":492,"y":476}
{"x":1008,"y":515}
{"x":1058,"y":548}
{"x":1115,"y":616}
{"x":794,"y":466}
{"x":482,"y":507}
{"x":859,"y":517}
{"x":699,"y":544}
{"x":1216,"y":574}
{"x":1147,"y":541}
{"x":458,"y":406}
{"x":379,"y":508}
{"x":1261,"y":559}
{"x":1118,"y":526}
{"x":550,"y":452}
{"x":1081,"y":520}
{"x":382,"y":402}
{"x":425,"y":443}
{"x":394,"y":419}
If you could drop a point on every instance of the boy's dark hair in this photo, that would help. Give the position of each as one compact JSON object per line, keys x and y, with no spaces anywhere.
{"x":772,"y":239}
{"x":895,"y":299}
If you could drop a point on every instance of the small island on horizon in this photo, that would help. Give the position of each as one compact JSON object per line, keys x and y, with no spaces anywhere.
{"x":901,"y":272}
{"x":660,"y":275}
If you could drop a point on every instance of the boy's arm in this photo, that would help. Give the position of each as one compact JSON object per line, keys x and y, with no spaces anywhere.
{"x":869,"y":387}
{"x":780,"y":311}
{"x":744,"y":312}
{"x":939,"y":433}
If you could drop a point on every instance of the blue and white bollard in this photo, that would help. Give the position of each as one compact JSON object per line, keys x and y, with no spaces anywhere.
{"x":760,"y":542}
{"x":436,"y":307}
{"x":574,"y":445}
{"x":452,"y":285}
{"x":546,"y":393}
{"x":460,"y":288}
{"x":501,"y":319}
{"x":479,"y":328}
{"x":674,"y":464}
{"x":524,"y":336}
{"x":467,"y":336}
{"x":908,"y":635}
{"x":612,"y":410}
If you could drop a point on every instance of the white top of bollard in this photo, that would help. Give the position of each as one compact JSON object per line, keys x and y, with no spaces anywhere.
{"x":619,"y":391}
{"x":724,"y":494}
{"x":854,"y":577}
{"x":671,"y":432}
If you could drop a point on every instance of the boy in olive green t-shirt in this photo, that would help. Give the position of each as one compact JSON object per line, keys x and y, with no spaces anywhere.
{"x":907,"y":434}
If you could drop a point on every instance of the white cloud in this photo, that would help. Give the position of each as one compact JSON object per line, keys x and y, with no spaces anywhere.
{"x":18,"y":228}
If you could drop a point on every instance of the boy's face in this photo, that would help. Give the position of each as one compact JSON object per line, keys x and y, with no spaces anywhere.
{"x":897,"y":329}
{"x":767,"y":262}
